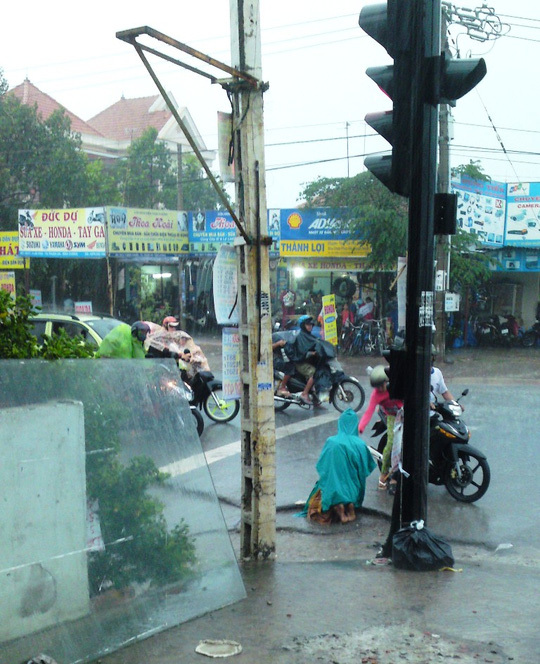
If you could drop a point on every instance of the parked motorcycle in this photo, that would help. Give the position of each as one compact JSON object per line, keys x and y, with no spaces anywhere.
{"x":494,"y":331}
{"x":462,"y":469}
{"x":531,"y":336}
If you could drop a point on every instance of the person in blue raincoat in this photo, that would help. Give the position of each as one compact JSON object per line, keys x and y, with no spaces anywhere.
{"x":344,"y":464}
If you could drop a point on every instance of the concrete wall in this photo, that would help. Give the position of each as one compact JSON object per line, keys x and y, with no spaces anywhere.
{"x":43,"y":569}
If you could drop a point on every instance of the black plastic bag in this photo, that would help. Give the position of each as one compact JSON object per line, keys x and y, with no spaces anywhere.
{"x":417,"y":548}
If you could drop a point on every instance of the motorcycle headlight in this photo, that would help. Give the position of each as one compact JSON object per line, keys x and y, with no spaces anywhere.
{"x":454,"y":408}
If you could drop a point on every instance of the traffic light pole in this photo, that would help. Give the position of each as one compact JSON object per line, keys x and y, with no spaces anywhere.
{"x":420,"y":266}
{"x":258,"y":436}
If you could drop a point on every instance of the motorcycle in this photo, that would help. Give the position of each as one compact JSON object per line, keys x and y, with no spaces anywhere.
{"x":345,"y":391}
{"x":208,"y":396}
{"x":531,"y":336}
{"x":496,"y":332}
{"x":462,"y":469}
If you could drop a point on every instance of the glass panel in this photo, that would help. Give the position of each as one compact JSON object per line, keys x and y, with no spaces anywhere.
{"x":111,"y":527}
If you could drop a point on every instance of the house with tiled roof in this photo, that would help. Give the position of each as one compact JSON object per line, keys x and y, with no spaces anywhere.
{"x":108,"y":135}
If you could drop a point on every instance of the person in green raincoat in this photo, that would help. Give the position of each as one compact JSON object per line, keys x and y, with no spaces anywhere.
{"x":124,"y":342}
{"x":343,"y":466}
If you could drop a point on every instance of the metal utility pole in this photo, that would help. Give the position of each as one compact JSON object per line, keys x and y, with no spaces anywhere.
{"x":258,"y":527}
{"x":442,"y":246}
{"x":419,"y":315}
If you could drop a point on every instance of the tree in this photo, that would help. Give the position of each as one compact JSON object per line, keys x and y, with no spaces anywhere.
{"x":146,"y":177}
{"x":375,"y":215}
{"x":199,"y":193}
{"x":473,"y":170}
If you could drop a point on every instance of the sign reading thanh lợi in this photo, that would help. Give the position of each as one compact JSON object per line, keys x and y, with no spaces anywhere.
{"x":318,"y":232}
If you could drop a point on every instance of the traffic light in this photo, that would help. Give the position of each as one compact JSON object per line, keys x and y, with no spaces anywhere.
{"x":396,"y":372}
{"x":414,"y":79}
{"x":391,"y":24}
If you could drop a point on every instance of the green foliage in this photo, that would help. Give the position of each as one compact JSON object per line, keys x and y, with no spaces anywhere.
{"x":473,"y":170}
{"x":128,"y":512}
{"x":376,"y":215}
{"x":198,"y":191}
{"x":16,"y":339}
{"x":469,"y":264}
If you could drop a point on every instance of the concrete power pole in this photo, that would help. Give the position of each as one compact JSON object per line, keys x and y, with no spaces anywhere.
{"x":258,"y":526}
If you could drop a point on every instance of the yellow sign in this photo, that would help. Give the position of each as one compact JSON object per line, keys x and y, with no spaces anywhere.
{"x":330,"y":248}
{"x":7,"y":282}
{"x":9,"y":252}
{"x":134,"y":232}
{"x":330,"y":319}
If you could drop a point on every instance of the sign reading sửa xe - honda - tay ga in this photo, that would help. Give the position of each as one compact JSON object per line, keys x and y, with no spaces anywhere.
{"x":62,"y":233}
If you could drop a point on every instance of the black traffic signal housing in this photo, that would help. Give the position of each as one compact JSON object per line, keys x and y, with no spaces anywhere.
{"x":440,"y":80}
{"x":396,"y":372}
{"x":391,"y":24}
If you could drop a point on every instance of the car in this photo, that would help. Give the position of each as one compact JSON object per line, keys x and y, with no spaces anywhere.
{"x":92,"y":328}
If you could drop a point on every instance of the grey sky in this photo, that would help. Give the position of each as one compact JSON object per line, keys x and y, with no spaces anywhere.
{"x":314,"y":56}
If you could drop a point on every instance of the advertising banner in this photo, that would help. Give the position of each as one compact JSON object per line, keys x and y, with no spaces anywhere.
{"x":83,"y":307}
{"x":330,"y":319}
{"x":64,"y":233}
{"x":481,"y":209}
{"x":10,"y":259}
{"x":133,"y":232}
{"x":209,"y":230}
{"x":225,"y":286}
{"x":517,"y":259}
{"x":523,"y":215}
{"x":232,"y":385}
{"x":318,"y":232}
{"x":7,"y":282}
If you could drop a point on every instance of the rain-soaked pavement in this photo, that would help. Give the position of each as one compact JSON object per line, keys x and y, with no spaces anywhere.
{"x":322,"y":601}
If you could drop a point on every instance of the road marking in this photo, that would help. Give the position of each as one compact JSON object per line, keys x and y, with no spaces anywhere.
{"x":225,"y":451}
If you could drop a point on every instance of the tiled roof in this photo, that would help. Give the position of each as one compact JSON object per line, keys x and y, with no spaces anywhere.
{"x":29,"y":94}
{"x":128,"y":119}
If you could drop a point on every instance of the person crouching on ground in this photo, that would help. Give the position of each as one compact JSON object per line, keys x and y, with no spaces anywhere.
{"x":344,"y":464}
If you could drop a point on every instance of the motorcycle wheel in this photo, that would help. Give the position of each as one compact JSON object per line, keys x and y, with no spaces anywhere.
{"x":529,"y":339}
{"x":279,"y":406}
{"x":219,"y":410}
{"x":348,"y":394}
{"x":474,"y":481}
{"x":199,"y":422}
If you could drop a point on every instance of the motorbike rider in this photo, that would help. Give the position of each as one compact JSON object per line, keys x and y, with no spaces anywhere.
{"x":438,"y":386}
{"x":170,"y":323}
{"x":305,"y":355}
{"x":124,"y":342}
{"x":282,"y":363}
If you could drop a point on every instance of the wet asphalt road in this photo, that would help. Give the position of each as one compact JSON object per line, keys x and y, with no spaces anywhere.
{"x":501,"y":411}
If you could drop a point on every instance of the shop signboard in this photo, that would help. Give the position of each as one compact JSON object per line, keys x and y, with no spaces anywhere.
{"x":516,"y":259}
{"x":232,"y":383}
{"x":225,"y":286}
{"x":329,"y":315}
{"x":209,"y":230}
{"x":523,"y":216}
{"x":62,"y":233}
{"x":481,"y":209}
{"x":318,"y":232}
{"x":7,"y":282}
{"x":10,"y":259}
{"x":134,"y":232}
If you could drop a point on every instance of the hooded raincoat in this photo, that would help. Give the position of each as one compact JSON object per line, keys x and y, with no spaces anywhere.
{"x":119,"y":343}
{"x":343,"y":466}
